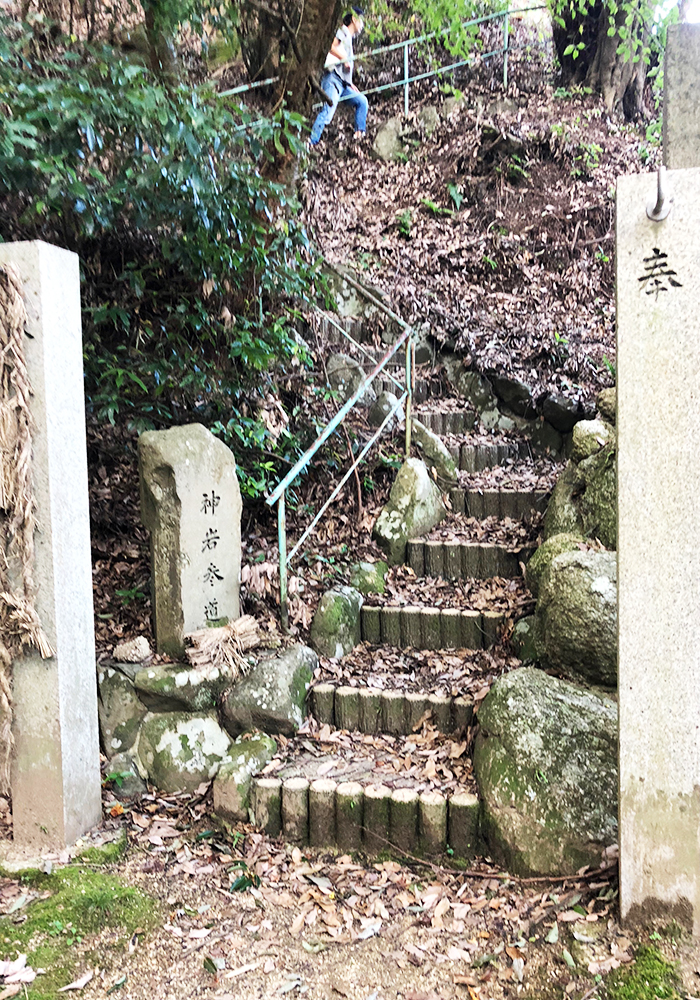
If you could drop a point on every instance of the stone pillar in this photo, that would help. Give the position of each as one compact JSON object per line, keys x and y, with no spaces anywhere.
{"x":681,"y":90}
{"x":56,"y":769}
{"x":191,"y":504}
{"x":658,"y":398}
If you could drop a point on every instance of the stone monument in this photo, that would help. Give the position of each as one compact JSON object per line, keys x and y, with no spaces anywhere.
{"x":56,"y":792}
{"x":681,"y":100}
{"x":191,"y":504}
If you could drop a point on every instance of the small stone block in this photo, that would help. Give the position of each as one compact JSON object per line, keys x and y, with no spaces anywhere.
{"x":416,"y":708}
{"x":462,"y":714}
{"x":322,"y":700}
{"x":463,"y":825}
{"x":452,"y":568}
{"x":295,"y":810}
{"x":430,"y":628}
{"x":415,"y":556}
{"x":441,"y":707}
{"x":347,"y":708}
{"x":370,"y":710}
{"x":393,"y":712}
{"x":450,"y":628}
{"x":322,"y":812}
{"x":375,"y":818}
{"x":349,"y":799}
{"x":403,"y":820}
{"x":391,"y":626}
{"x":371,"y":625}
{"x":410,"y":628}
{"x":432,"y":823}
{"x":491,"y":622}
{"x":457,"y":499}
{"x":434,"y":558}
{"x":471,"y":630}
{"x":470,"y":561}
{"x":267,"y":805}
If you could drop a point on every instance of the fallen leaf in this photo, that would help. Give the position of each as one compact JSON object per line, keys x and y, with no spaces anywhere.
{"x":79,"y":983}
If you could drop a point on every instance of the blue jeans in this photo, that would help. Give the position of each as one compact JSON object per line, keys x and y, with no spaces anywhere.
{"x":338,"y":90}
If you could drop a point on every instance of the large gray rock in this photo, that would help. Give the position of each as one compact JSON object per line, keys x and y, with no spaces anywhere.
{"x":606,"y":401}
{"x":562,"y":516}
{"x":172,"y":687}
{"x":561,"y":412}
{"x":588,"y":437}
{"x":539,"y":564}
{"x":273,"y":695}
{"x":127,"y":781}
{"x":436,"y":455}
{"x":414,"y":508}
{"x":545,"y":760}
{"x":246,"y":756}
{"x":576,"y":616}
{"x":368,"y":577}
{"x":335,"y":629}
{"x":514,"y":394}
{"x":584,"y":500}
{"x":387,"y":143}
{"x":474,"y":387}
{"x":345,"y":376}
{"x":191,"y":504}
{"x":380,"y":409}
{"x":119,"y":709}
{"x":179,"y":750}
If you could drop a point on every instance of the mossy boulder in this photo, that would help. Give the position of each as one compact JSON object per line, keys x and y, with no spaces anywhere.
{"x":380,"y":409}
{"x":119,"y":709}
{"x":387,"y":144}
{"x":523,"y":640}
{"x":415,"y":506}
{"x":246,"y":756}
{"x":606,"y":401}
{"x":436,"y":455}
{"x":576,"y":616}
{"x":170,"y":687}
{"x":562,"y":516}
{"x":584,"y":500}
{"x":588,"y":437}
{"x":125,"y":777}
{"x":272,"y":697}
{"x":545,"y":761}
{"x":179,"y":750}
{"x":541,"y":560}
{"x":335,"y":630}
{"x":345,"y":376}
{"x":368,"y":577}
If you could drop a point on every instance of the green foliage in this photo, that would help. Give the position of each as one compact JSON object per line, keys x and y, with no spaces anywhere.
{"x":587,"y":159}
{"x":188,"y":253}
{"x":456,"y":195}
{"x":404,"y":221}
{"x":650,"y":977}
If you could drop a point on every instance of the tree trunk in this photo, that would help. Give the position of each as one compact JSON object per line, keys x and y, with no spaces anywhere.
{"x":314,"y":34}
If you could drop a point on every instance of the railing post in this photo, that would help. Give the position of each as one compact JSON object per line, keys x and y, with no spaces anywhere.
{"x":505,"y":51}
{"x":409,"y":390}
{"x":406,"y":77}
{"x":282,"y":543}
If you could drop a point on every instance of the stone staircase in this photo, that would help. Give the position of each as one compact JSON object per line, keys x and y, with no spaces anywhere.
{"x":358,"y":775}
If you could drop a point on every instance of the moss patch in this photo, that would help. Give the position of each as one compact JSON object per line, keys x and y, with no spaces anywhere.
{"x":82,"y":903}
{"x":650,"y":977}
{"x":107,"y":854}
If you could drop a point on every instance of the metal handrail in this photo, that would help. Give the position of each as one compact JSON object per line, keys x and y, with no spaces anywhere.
{"x":278,"y":495}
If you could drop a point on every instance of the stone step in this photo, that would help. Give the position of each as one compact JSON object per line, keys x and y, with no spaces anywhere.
{"x":498,"y":503}
{"x":463,"y":560}
{"x":448,"y":421}
{"x":424,"y":388}
{"x":431,"y":628}
{"x":369,"y":710}
{"x":473,"y":457}
{"x":364,"y":814}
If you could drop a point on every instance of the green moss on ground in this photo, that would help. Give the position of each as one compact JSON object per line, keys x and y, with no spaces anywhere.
{"x":107,"y":854}
{"x":82,"y":902}
{"x":650,"y":977}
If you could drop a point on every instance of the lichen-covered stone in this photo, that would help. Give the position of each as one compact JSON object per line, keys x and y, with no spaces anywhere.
{"x":598,"y":501}
{"x":127,"y":782}
{"x":576,"y":616}
{"x":588,"y":437}
{"x":380,"y":409}
{"x":415,"y":506}
{"x":562,"y":516}
{"x":474,"y":387}
{"x":606,"y":401}
{"x":436,"y":454}
{"x":368,"y":577}
{"x":246,"y":756}
{"x":545,"y":761}
{"x":335,"y":630}
{"x":345,"y":376}
{"x":387,"y":143}
{"x":179,"y":750}
{"x":272,"y":696}
{"x":170,"y":687}
{"x":514,"y":394}
{"x":133,"y":651}
{"x":523,"y":640}
{"x":541,"y":560}
{"x":429,"y":118}
{"x":119,"y":709}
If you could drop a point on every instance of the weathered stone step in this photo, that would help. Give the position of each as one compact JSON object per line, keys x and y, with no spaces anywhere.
{"x":431,"y":628}
{"x":498,"y":503}
{"x":471,"y":457}
{"x":364,"y":816}
{"x":448,"y":421}
{"x":369,"y":710}
{"x":462,"y":560}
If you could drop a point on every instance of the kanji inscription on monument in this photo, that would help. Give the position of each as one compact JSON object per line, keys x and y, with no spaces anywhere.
{"x":191,"y":503}
{"x":658,"y":420}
